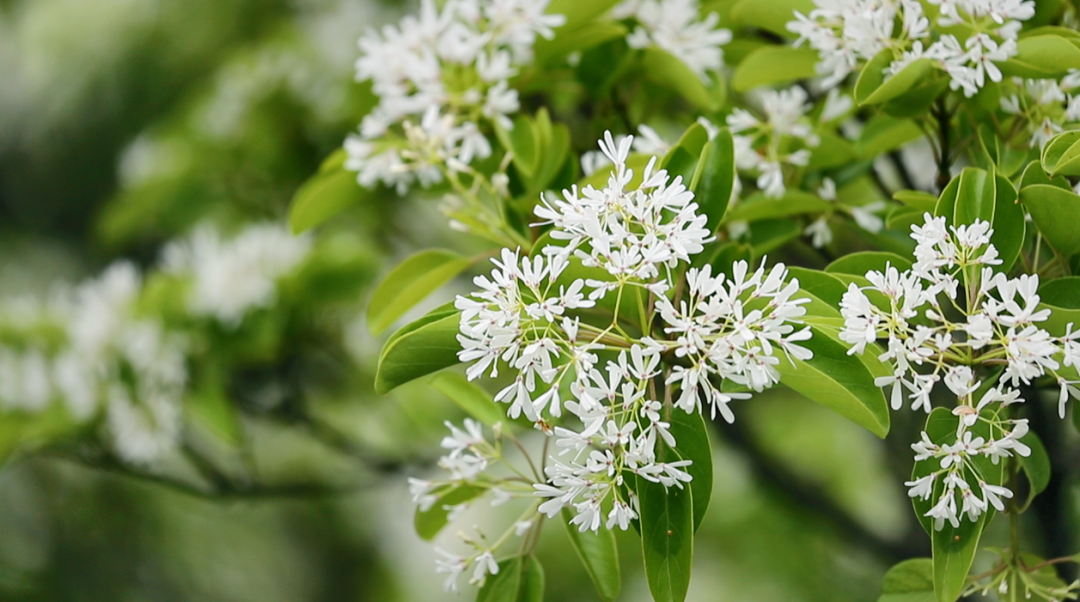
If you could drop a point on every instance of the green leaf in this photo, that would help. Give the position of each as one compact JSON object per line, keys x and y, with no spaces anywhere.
{"x":599,"y":178}
{"x":858,"y":264}
{"x":794,"y":202}
{"x":772,"y":16}
{"x":1034,"y":174}
{"x":714,"y":178}
{"x":576,"y":40}
{"x":923,"y":201}
{"x":917,"y":100}
{"x":578,"y":13}
{"x":1036,"y":465}
{"x":520,"y":579}
{"x":418,"y":349}
{"x":1042,"y":57}
{"x":1061,"y":155}
{"x":841,"y":382}
{"x":665,"y":69}
{"x":770,"y":234}
{"x":410,"y":283}
{"x":600,"y":555}
{"x":692,"y":443}
{"x":667,"y":539}
{"x":770,"y":65}
{"x":832,"y":151}
{"x":953,"y":547}
{"x":1010,"y":224}
{"x":1062,"y":297}
{"x":429,"y":522}
{"x":974,"y":197}
{"x":683,"y":157}
{"x":23,"y":431}
{"x":883,"y":133}
{"x":210,"y":405}
{"x":477,"y":402}
{"x":909,"y":581}
{"x":324,"y":195}
{"x":821,"y":285}
{"x":522,"y":143}
{"x":1055,"y":212}
{"x":874,"y":88}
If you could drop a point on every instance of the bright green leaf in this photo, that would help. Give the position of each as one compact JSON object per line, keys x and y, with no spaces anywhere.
{"x":1042,"y":57}
{"x":772,"y":16}
{"x":470,"y":397}
{"x":323,"y":196}
{"x":909,"y":581}
{"x":418,"y":349}
{"x":873,"y":87}
{"x":669,"y":71}
{"x":1061,"y":155}
{"x":1055,"y":213}
{"x":429,"y":522}
{"x":410,"y":283}
{"x":771,"y":65}
{"x":794,"y":202}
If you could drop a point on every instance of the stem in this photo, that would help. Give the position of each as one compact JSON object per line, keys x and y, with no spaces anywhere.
{"x":945,"y":154}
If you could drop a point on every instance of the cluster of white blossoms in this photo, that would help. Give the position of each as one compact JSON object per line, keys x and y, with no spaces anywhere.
{"x":677,"y":27}
{"x":442,"y":78}
{"x":93,"y":350}
{"x":782,"y":137}
{"x":88,"y":349}
{"x":603,"y":395}
{"x":231,"y":277}
{"x":966,"y":40}
{"x":1044,"y":107}
{"x":997,"y":334}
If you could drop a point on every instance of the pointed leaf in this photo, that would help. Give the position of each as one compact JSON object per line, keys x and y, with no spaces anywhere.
{"x":669,"y":71}
{"x":1055,"y":212}
{"x":692,"y":443}
{"x":667,"y":539}
{"x":771,"y":65}
{"x":410,"y":283}
{"x":715,"y":177}
{"x":418,"y":349}
{"x":600,"y":555}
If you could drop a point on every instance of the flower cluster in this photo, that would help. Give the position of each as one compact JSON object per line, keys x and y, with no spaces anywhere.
{"x":232,"y":277}
{"x":442,"y":78}
{"x":782,"y":137}
{"x":997,"y":333}
{"x":1043,"y":107}
{"x":847,"y":32}
{"x":606,"y":396}
{"x":676,"y":26}
{"x":93,"y":349}
{"x":864,"y":215}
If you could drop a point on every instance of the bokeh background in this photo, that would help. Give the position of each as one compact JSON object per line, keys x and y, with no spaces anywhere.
{"x":124,"y":124}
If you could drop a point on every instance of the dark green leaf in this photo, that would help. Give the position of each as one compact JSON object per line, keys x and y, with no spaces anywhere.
{"x":714,"y":179}
{"x":794,"y":202}
{"x":667,"y":539}
{"x":1036,"y":465}
{"x":1010,"y":224}
{"x":692,"y":443}
{"x":858,"y":264}
{"x":883,"y":133}
{"x":1056,"y":213}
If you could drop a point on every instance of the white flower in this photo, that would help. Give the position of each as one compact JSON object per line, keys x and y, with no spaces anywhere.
{"x":674,"y":26}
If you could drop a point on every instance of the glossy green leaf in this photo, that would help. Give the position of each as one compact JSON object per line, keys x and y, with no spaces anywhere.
{"x":692,"y":439}
{"x":820,"y":284}
{"x":767,"y":235}
{"x":430,"y":522}
{"x":1056,"y":213}
{"x":470,"y":397}
{"x":902,"y":219}
{"x":770,"y":65}
{"x":1042,"y":57}
{"x":953,"y":548}
{"x":714,"y":178}
{"x":1034,"y":174}
{"x":520,"y":579}
{"x":323,"y":196}
{"x":874,"y":87}
{"x":841,"y":382}
{"x":794,"y":202}
{"x":772,"y":16}
{"x":1061,"y":155}
{"x":669,"y":71}
{"x":1062,"y":297}
{"x":599,"y":554}
{"x":410,"y":283}
{"x":883,"y":133}
{"x":1036,"y":465}
{"x":923,"y":201}
{"x":522,"y":143}
{"x":858,"y":264}
{"x":667,"y":539}
{"x":578,"y":13}
{"x":418,"y":349}
{"x":974,"y":197}
{"x":916,"y":101}
{"x":683,"y":157}
{"x":909,"y":581}
{"x":576,"y":40}
{"x":1010,"y":223}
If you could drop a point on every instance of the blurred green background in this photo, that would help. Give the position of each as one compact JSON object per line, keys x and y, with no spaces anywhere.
{"x":123,"y":123}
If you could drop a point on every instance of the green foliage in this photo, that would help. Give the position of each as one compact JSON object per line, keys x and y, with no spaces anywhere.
{"x":714,"y":178}
{"x":1053,"y":211}
{"x":841,"y":382}
{"x":873,"y":88}
{"x":1061,"y":155}
{"x":329,"y":192}
{"x":1043,"y":57}
{"x":667,"y":539}
{"x":909,"y":581}
{"x":599,"y":554}
{"x":692,"y":436}
{"x":422,"y":347}
{"x":520,"y":579}
{"x":770,"y":65}
{"x":670,"y":72}
{"x":410,"y":283}
{"x":477,"y":402}
{"x":770,"y":16}
{"x":430,"y":522}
